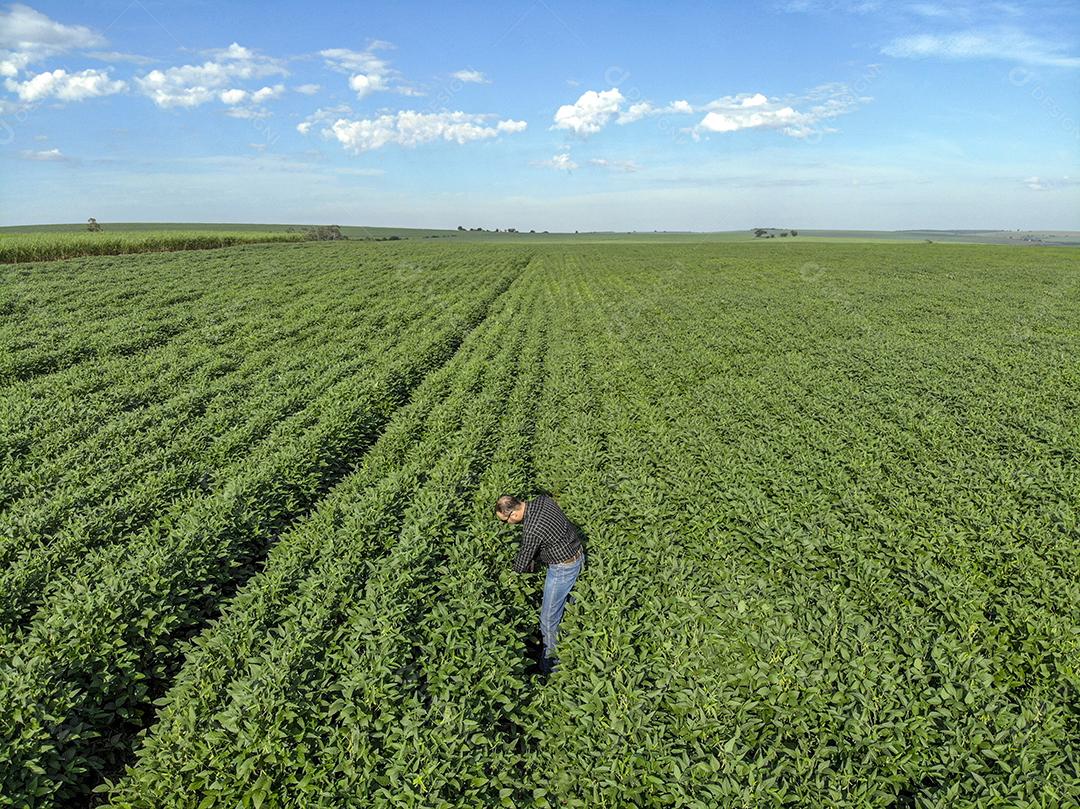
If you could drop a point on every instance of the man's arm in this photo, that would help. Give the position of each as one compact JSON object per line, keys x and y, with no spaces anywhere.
{"x":525,"y":561}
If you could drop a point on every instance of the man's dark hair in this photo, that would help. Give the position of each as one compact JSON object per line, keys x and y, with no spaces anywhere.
{"x":506,"y":504}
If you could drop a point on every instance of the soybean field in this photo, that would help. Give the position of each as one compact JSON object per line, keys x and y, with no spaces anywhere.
{"x":829,"y":494}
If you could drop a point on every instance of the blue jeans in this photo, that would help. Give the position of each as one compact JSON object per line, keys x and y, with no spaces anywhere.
{"x":560,"y":578}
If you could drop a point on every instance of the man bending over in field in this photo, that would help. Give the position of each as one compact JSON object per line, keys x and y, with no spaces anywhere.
{"x":547,"y":534}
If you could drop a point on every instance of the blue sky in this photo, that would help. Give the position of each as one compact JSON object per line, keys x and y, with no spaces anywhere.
{"x":543,"y":114}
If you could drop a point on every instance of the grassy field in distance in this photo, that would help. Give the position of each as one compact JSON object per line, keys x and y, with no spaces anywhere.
{"x":1018,"y":237}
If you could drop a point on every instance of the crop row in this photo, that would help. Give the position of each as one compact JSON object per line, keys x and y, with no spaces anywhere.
{"x":97,"y":501}
{"x":108,"y":638}
{"x":792,"y":627}
{"x":350,"y":650}
{"x":89,"y":406}
{"x":98,"y":309}
{"x":191,"y":384}
{"x":64,"y":314}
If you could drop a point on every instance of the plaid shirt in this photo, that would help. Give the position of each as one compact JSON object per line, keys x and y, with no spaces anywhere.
{"x":545,"y":533}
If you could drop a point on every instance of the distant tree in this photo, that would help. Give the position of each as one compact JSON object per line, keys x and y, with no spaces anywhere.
{"x":92,"y":225}
{"x":532,"y":231}
{"x":759,"y":232}
{"x":783,"y":233}
{"x":794,"y":233}
{"x":459,"y":227}
{"x":324,"y":233}
{"x":511,"y":230}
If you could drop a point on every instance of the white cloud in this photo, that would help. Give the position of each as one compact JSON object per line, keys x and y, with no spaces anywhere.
{"x":46,"y":155}
{"x":235,"y":51}
{"x":746,"y":111}
{"x":192,"y":85}
{"x":169,"y":90}
{"x":732,"y":121}
{"x":268,"y":93}
{"x":593,"y":110}
{"x":798,"y":117}
{"x":560,"y":162}
{"x":409,"y":128}
{"x":23,"y":28}
{"x":66,"y":86}
{"x":344,"y":60}
{"x":635,"y":112}
{"x":368,"y":72}
{"x":590,"y":113}
{"x":471,"y":77}
{"x":646,"y":109}
{"x":307,"y":89}
{"x":28,"y":36}
{"x":11,"y":63}
{"x":757,"y":111}
{"x":1007,"y":44}
{"x":234,"y":96}
{"x":323,"y":115}
{"x":741,"y":101}
{"x":253,"y":99}
{"x":627,"y":166}
{"x":365,"y":84}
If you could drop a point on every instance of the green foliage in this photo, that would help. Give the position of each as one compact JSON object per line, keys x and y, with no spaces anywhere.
{"x":324,"y":233}
{"x":108,"y":633}
{"x":17,"y":248}
{"x":828,"y":493}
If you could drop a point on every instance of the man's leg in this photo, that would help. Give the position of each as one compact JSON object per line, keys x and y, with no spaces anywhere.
{"x":560,"y":578}
{"x":570,"y":598}
{"x":548,"y":624}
